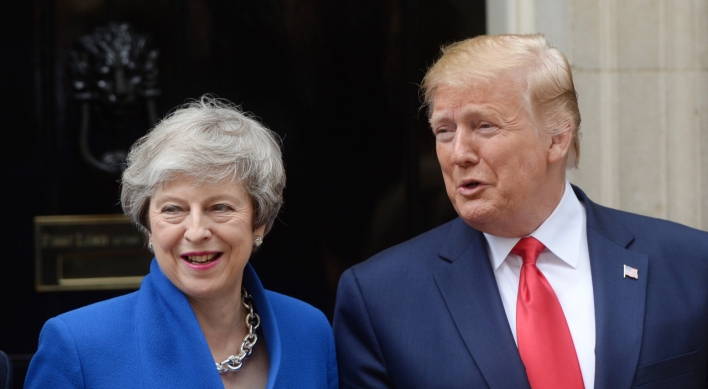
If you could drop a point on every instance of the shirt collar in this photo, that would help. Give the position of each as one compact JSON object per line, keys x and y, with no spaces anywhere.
{"x":560,"y":233}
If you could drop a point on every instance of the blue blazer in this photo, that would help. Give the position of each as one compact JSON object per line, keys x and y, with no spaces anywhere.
{"x":151,"y":339}
{"x":428,"y":314}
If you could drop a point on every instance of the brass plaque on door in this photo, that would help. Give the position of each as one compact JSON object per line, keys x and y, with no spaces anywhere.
{"x":88,"y":252}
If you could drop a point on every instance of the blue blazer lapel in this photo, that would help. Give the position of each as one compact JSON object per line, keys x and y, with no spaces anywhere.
{"x":269,"y":324}
{"x":173,"y":350}
{"x":619,"y":301}
{"x":468,"y":286}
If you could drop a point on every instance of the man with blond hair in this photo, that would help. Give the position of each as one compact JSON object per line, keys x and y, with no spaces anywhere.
{"x":533,"y":285}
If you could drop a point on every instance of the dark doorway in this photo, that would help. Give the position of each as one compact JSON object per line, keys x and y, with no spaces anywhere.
{"x":336,"y":80}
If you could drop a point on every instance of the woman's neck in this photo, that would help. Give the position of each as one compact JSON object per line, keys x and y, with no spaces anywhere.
{"x":222,"y":321}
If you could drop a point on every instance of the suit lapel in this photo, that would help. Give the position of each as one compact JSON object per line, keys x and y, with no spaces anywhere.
{"x":269,"y":324}
{"x":468,"y":286}
{"x":619,"y":301}
{"x":173,"y":350}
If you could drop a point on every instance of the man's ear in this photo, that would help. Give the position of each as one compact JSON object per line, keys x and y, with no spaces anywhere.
{"x":561,"y":141}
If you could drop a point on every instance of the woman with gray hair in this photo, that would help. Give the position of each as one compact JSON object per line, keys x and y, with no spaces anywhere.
{"x":205,"y":186}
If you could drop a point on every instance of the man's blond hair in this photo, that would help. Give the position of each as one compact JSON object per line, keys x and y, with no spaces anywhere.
{"x":549,"y":82}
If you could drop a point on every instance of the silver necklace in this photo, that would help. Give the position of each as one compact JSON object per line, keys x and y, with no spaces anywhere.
{"x":253,"y":321}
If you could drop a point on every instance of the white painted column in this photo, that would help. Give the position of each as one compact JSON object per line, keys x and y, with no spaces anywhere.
{"x":511,"y":16}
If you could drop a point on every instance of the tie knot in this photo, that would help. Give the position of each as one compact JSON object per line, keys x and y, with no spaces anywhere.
{"x":528,"y":249}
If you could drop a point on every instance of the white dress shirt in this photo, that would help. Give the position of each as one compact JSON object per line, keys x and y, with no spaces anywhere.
{"x":566,"y":265}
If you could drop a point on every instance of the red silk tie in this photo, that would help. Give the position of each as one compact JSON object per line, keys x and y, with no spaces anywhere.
{"x":545,"y":344}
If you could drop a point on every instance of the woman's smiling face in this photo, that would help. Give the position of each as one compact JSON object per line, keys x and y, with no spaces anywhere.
{"x":202,"y":236}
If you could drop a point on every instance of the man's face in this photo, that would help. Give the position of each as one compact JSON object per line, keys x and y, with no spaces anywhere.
{"x":494,"y":160}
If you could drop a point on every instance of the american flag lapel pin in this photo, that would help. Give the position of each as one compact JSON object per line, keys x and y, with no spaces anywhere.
{"x":631,"y":272}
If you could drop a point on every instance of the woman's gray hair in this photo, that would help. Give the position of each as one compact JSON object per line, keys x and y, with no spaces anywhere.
{"x":210,"y":141}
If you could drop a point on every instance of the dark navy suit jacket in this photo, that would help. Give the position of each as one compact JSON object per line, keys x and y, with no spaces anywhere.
{"x":427,"y":313}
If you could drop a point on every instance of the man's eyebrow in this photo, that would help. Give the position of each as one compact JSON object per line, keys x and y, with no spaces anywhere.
{"x":476,"y":110}
{"x":436,"y":117}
